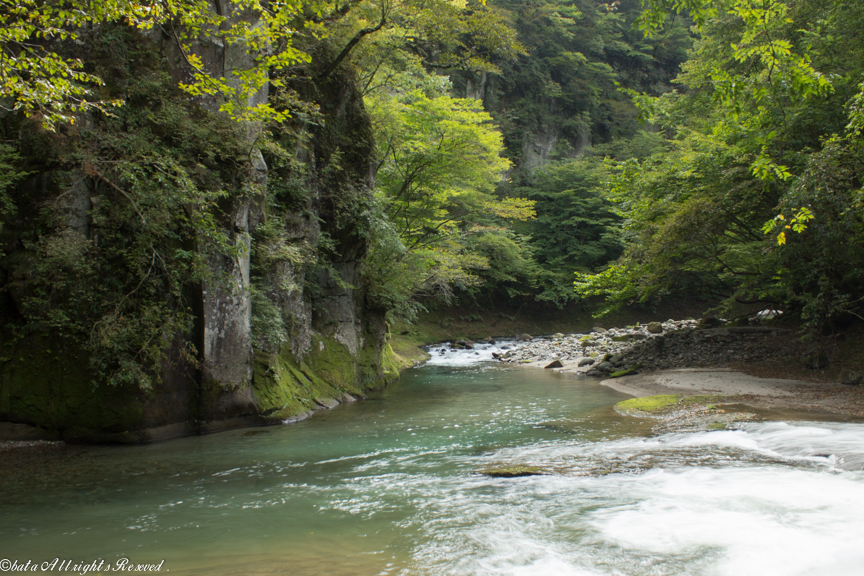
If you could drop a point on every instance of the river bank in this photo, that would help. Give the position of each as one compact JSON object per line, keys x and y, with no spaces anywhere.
{"x":760,"y":366}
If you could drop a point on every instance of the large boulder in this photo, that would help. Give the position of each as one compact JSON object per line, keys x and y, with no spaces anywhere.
{"x":709,"y":322}
{"x":655,"y":328}
{"x":817,"y":360}
{"x":850,"y":378}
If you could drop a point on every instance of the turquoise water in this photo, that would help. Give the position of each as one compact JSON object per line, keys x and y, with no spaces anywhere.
{"x":391,"y":485}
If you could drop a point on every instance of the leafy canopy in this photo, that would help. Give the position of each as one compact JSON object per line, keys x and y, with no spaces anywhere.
{"x":38,"y":78}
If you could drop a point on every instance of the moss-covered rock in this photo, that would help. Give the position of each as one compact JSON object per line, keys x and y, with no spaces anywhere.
{"x":406,"y":352}
{"x":648,"y":404}
{"x":286,"y":388}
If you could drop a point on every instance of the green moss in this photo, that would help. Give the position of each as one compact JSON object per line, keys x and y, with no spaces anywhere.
{"x":390,"y":363}
{"x":288,"y":388}
{"x":276,"y":388}
{"x":377,"y":368}
{"x":407,"y":352}
{"x":620,"y":373}
{"x":648,"y":405}
{"x":332,"y":362}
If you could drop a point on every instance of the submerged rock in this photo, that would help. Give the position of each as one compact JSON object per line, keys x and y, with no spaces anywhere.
{"x":327,"y":402}
{"x":850,"y":378}
{"x":514,"y":472}
{"x":709,"y":322}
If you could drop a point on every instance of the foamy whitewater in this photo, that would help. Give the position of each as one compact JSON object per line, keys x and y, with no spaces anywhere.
{"x":444,"y":355}
{"x":765,"y":499}
{"x":768,"y":499}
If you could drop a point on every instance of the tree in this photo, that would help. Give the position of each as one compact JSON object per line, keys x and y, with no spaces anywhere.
{"x":439,"y":165}
{"x":41,"y":75}
{"x":440,"y":158}
{"x":769,"y":99}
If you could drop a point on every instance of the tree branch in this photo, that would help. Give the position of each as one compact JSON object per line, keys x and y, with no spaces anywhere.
{"x":351,"y":44}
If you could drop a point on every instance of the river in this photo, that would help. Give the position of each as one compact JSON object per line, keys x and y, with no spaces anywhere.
{"x":392,"y":485}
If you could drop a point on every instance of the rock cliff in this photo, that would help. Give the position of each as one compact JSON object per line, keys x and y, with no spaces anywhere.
{"x":216,"y":369}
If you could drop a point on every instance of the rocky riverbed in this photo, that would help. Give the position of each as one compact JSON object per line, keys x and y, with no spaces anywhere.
{"x":670,"y":344}
{"x":689,"y":357}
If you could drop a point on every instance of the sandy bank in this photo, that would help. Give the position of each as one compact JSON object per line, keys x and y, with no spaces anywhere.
{"x":744,"y":388}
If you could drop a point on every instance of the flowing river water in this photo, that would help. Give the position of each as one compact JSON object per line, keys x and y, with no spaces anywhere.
{"x":392,"y":486}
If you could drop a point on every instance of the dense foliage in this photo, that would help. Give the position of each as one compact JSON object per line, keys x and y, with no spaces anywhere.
{"x":119,"y":216}
{"x":757,"y":197}
{"x":510,"y":144}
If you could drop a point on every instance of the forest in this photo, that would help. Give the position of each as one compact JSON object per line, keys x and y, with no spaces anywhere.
{"x":199,"y":195}
{"x":432,"y":287}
